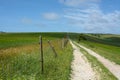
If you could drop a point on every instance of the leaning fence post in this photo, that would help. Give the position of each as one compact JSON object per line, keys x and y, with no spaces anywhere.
{"x":41,"y":51}
{"x":52,"y":48}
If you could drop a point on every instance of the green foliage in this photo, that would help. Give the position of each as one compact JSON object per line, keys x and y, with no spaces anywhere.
{"x":82,"y":37}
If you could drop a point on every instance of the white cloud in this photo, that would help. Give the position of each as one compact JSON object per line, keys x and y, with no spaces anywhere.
{"x":51,"y":16}
{"x":87,"y":15}
{"x":93,"y":19}
{"x":78,"y":3}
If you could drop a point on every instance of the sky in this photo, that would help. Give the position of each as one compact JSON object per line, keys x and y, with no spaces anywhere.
{"x":81,"y":16}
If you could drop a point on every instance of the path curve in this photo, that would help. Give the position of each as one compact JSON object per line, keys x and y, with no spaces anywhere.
{"x":111,"y":66}
{"x":81,"y":68}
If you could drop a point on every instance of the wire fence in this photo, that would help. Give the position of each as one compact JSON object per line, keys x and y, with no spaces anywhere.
{"x":24,"y":64}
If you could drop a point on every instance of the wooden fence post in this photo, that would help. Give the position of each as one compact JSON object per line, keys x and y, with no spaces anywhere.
{"x":66,"y":42}
{"x":62,"y":43}
{"x":42,"y":60}
{"x":52,"y":48}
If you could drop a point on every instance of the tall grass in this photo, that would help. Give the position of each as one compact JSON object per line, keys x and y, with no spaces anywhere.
{"x":23,"y":62}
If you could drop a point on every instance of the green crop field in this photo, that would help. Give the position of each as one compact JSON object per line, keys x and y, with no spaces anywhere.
{"x":18,"y":39}
{"x":20,"y":57}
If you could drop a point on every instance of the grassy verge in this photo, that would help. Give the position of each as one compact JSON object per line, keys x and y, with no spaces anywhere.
{"x":23,"y":62}
{"x":110,"y":52}
{"x":104,"y":74}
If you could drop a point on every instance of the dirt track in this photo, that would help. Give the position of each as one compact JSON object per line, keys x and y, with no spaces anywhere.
{"x":81,"y":68}
{"x":111,"y":66}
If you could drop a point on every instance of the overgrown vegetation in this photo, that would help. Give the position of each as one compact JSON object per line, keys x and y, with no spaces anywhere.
{"x":23,"y":62}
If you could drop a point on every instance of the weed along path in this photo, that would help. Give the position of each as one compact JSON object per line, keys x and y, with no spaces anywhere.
{"x":111,"y":66}
{"x":81,"y":68}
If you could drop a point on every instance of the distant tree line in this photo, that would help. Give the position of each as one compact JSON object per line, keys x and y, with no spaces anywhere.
{"x":81,"y":37}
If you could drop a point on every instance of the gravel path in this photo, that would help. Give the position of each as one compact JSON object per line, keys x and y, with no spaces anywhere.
{"x":81,"y":68}
{"x":112,"y":67}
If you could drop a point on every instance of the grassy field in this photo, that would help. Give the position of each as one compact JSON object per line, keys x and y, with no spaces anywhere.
{"x":20,"y":57}
{"x":110,"y":52}
{"x":18,"y":39}
{"x":106,"y":45}
{"x":104,"y":74}
{"x":109,"y":39}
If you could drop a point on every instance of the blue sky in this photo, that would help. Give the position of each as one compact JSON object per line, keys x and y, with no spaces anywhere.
{"x":89,"y":16}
